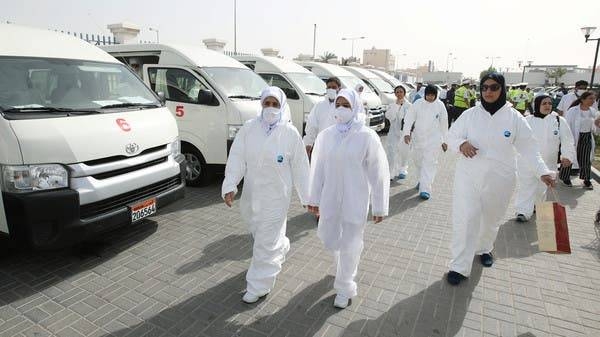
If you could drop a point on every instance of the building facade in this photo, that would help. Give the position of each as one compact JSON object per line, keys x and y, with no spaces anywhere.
{"x":379,"y":58}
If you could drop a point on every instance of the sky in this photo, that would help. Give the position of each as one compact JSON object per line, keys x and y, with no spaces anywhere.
{"x":475,"y":32}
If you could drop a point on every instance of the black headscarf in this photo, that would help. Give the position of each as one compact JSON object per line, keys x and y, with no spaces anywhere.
{"x":501,"y":101}
{"x":537,"y":103}
{"x":430,"y":89}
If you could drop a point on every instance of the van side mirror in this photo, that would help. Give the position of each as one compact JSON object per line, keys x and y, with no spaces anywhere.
{"x":161,"y":97}
{"x":206,"y":97}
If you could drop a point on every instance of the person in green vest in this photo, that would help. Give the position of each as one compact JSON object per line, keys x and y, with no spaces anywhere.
{"x":521,"y":98}
{"x":530,"y":97}
{"x":473,"y":95}
{"x":461,"y":101}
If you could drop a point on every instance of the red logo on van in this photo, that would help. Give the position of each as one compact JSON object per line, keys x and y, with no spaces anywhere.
{"x":122,"y":123}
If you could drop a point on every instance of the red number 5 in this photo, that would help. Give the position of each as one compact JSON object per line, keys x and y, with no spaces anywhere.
{"x":179,"y":111}
{"x":123,"y":124}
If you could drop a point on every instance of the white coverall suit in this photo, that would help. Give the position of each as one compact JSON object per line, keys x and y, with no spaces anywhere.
{"x":397,"y":149}
{"x":271,"y":163}
{"x":431,"y":127}
{"x":484,"y":183}
{"x":319,"y":119}
{"x":550,"y":137}
{"x":349,"y":170}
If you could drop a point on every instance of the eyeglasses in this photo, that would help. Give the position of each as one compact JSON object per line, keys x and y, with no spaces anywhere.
{"x":546,"y":103}
{"x":492,"y":87}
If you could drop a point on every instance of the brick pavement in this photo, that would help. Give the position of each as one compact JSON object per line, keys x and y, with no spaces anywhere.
{"x":182,"y":274}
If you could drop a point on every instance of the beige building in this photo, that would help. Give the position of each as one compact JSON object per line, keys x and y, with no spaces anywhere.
{"x":379,"y":58}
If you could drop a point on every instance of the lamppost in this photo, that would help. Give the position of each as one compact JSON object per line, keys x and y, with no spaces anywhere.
{"x":492,"y":58}
{"x":154,"y":30}
{"x":353,"y":39}
{"x":524,"y":66}
{"x":452,"y":67}
{"x":448,"y":60}
{"x":235,"y":27}
{"x":587,"y":31}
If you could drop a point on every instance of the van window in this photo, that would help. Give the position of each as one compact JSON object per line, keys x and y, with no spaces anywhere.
{"x":40,"y":84}
{"x":177,"y":84}
{"x":278,"y":81}
{"x":237,"y":83}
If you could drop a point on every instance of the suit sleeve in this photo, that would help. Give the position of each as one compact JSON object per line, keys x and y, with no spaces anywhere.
{"x":457,"y":134}
{"x":312,"y":126}
{"x":567,"y":143}
{"x":235,"y":169}
{"x":527,"y":146}
{"x":409,"y":120}
{"x":317,"y":173}
{"x":300,"y":169}
{"x":444,"y":122}
{"x":379,"y":177}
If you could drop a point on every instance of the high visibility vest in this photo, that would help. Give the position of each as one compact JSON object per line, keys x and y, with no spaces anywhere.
{"x":520,"y":99}
{"x":459,"y":98}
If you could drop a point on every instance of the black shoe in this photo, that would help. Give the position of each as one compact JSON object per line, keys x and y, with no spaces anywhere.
{"x":588,"y":184}
{"x":455,"y":278}
{"x":568,"y":183}
{"x":487,"y":260}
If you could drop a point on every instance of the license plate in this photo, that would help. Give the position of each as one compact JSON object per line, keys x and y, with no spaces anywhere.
{"x":143,"y":209}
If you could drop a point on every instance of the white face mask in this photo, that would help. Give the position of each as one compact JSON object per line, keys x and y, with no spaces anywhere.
{"x":343,"y":115}
{"x":580,"y":92}
{"x":331,"y":94}
{"x":271,"y":115}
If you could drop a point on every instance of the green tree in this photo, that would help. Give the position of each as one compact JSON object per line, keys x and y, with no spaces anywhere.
{"x":327,"y":56}
{"x":556,"y":74}
{"x":487,"y":71}
{"x":351,"y":59}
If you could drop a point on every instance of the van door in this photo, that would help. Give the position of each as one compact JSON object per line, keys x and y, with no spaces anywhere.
{"x":3,"y":223}
{"x":202,"y":121}
{"x":294,"y":98}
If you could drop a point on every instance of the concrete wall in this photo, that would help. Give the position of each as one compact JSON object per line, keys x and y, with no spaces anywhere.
{"x":438,"y":77}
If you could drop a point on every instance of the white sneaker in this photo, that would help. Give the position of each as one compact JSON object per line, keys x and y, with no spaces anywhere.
{"x":341,"y":301}
{"x":252,"y":298}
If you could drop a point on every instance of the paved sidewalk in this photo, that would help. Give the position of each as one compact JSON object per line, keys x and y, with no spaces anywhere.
{"x":182,"y":274}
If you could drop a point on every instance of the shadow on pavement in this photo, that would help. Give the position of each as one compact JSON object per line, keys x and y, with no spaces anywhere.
{"x":238,"y":247}
{"x":308,"y":311}
{"x":401,"y":202}
{"x":24,"y":273}
{"x":438,"y":310}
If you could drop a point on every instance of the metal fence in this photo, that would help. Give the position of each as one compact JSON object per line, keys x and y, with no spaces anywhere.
{"x":231,"y":53}
{"x":97,"y":39}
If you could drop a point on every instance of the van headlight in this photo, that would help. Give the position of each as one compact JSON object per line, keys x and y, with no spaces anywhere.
{"x":233,"y":130}
{"x":29,"y":178}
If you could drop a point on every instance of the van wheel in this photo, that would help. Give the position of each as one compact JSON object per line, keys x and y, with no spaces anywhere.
{"x":196,"y":168}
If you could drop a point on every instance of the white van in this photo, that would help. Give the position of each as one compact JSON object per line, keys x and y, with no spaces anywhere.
{"x":383,"y":89}
{"x":210,"y":94}
{"x":374,"y":109}
{"x":85,"y":146}
{"x":302,"y":88}
{"x":394,"y":82}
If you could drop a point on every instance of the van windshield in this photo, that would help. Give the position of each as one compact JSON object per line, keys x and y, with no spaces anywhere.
{"x":309,"y":83}
{"x":382,"y":85}
{"x":351,"y":82}
{"x":237,"y":82}
{"x":62,"y":86}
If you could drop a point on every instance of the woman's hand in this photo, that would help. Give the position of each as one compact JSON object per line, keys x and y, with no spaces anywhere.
{"x":228,"y":199}
{"x":548,"y":180}
{"x":564,"y":162}
{"x":468,"y":150}
{"x":444,"y":147}
{"x":377,"y":219}
{"x":407,"y":139}
{"x":314,"y":210}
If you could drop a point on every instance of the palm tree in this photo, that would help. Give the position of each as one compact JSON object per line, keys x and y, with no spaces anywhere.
{"x":327,"y":56}
{"x":351,"y":59}
{"x":487,"y":71}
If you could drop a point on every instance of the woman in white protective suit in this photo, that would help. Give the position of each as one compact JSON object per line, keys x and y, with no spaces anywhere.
{"x":487,"y":136}
{"x":430,"y":120}
{"x":349,"y":169}
{"x":269,"y":155}
{"x":397,"y":149}
{"x":553,"y":134}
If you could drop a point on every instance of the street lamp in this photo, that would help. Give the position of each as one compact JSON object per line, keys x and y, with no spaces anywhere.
{"x":529,"y":63}
{"x":235,"y":27}
{"x":587,"y":31}
{"x":492,"y":58}
{"x":353,"y":39}
{"x":448,"y":60}
{"x":452,"y":67}
{"x":154,"y":30}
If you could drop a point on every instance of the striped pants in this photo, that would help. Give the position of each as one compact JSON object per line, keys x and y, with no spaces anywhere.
{"x":584,"y":153}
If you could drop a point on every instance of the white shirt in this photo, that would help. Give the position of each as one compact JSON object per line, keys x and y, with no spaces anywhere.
{"x":497,"y":137}
{"x":568,"y":99}
{"x":587,"y":121}
{"x":430,"y":120}
{"x":319,"y":119}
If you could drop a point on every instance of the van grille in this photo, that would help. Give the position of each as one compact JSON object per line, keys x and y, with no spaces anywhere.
{"x":117,"y":158}
{"x":110,"y":174}
{"x":122,"y":200}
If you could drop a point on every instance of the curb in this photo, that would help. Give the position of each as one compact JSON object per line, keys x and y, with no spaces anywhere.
{"x":596,"y":174}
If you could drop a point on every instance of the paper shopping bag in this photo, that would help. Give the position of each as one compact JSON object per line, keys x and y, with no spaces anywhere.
{"x":553,"y":233}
